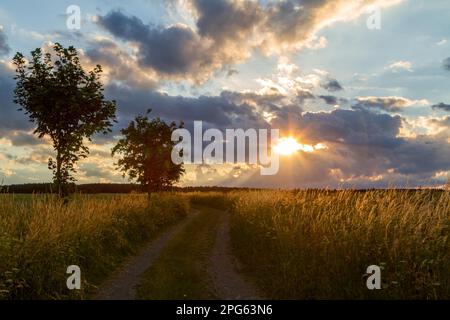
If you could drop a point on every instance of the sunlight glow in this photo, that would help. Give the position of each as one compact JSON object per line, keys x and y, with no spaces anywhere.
{"x":288,"y":146}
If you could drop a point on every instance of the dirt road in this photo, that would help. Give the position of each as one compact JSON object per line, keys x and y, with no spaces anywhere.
{"x":228,"y":283}
{"x":122,"y":286}
{"x":221,"y":268}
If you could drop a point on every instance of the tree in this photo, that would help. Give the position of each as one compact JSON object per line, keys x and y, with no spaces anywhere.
{"x":66,"y":103}
{"x":145,"y":151}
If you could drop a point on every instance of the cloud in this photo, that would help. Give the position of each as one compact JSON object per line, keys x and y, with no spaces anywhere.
{"x":365,"y":147}
{"x":224,"y":20}
{"x":389,"y":104}
{"x":290,"y":82}
{"x":38,"y":156}
{"x":347,"y":127}
{"x":443,"y":123}
{"x":118,"y":66}
{"x":442,"y":42}
{"x":4,"y":47}
{"x":172,"y":50}
{"x":232,"y":72}
{"x":95,"y":170}
{"x":226,"y":32}
{"x":364,"y":150}
{"x":332,"y":100}
{"x":21,"y":138}
{"x":11,"y":118}
{"x":363,"y":144}
{"x":291,"y":24}
{"x":400,"y":65}
{"x":422,"y":156}
{"x":223,"y":111}
{"x":332,"y":85}
{"x":446,"y":64}
{"x":441,"y":106}
{"x":175,"y":52}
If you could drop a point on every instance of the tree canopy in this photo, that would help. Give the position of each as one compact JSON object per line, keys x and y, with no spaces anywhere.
{"x":145,"y":153}
{"x":65,"y":102}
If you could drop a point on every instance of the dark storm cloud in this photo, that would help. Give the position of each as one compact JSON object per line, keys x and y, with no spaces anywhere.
{"x":172,"y":50}
{"x":225,"y":20}
{"x":350,"y":127}
{"x":123,"y":26}
{"x":4,"y":47}
{"x":10,"y":117}
{"x":332,"y":100}
{"x":389,"y":104}
{"x":175,"y":51}
{"x":446,"y":64}
{"x":362,"y":143}
{"x":14,"y":124}
{"x":226,"y":32}
{"x":119,"y":65}
{"x":441,"y":106}
{"x":332,"y":85}
{"x":359,"y":166}
{"x":422,"y":156}
{"x":219,"y":111}
{"x":22,"y":138}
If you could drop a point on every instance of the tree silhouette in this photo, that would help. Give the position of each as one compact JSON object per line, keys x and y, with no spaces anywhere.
{"x":65,"y":102}
{"x":145,"y":151}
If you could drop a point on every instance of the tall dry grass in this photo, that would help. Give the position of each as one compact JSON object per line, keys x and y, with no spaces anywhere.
{"x":318,"y":244}
{"x":40,"y":237}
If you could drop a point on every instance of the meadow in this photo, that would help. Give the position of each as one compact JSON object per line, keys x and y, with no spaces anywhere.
{"x":318,"y":244}
{"x":309,"y":244}
{"x":40,"y":237}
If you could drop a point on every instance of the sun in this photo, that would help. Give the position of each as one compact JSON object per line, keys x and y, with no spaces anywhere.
{"x":288,"y":146}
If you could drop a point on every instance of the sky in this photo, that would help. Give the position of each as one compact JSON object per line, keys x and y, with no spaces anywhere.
{"x":368,"y":80}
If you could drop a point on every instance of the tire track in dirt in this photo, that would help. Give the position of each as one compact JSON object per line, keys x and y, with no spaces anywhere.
{"x":122,"y":286}
{"x":228,"y":283}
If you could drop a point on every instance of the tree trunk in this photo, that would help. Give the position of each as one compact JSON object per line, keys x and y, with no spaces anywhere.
{"x":60,"y":183}
{"x":149,"y":198}
{"x":58,"y":174}
{"x":150,"y":191}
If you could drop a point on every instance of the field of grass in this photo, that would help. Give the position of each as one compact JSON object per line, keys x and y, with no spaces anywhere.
{"x":312,"y":244}
{"x":40,"y":237}
{"x":318,"y":244}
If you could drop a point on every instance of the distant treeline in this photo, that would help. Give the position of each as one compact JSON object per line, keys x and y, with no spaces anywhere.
{"x":135,"y":188}
{"x":101,"y":188}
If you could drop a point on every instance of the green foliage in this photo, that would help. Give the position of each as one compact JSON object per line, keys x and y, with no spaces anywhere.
{"x":145,"y":150}
{"x":65,"y":102}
